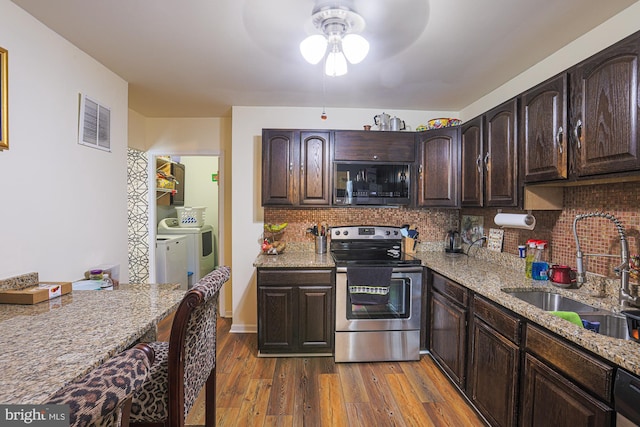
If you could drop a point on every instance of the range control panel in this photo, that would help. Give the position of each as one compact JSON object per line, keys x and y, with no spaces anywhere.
{"x":365,"y":232}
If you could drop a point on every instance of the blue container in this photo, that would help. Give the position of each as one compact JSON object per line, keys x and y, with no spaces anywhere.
{"x":539,"y":270}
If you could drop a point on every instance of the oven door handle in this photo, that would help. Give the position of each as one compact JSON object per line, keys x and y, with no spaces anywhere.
{"x":408,"y":269}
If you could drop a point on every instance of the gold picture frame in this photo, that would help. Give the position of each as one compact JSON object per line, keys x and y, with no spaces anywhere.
{"x":4,"y":100}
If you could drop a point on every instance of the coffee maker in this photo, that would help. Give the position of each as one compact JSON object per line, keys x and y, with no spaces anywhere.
{"x":453,"y":242}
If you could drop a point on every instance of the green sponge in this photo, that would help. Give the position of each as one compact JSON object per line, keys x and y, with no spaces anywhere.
{"x":571,"y":316}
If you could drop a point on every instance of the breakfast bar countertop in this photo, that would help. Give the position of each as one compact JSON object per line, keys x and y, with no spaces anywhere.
{"x":46,"y":345}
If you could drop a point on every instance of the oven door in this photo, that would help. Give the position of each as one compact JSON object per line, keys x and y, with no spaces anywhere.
{"x":400,"y":312}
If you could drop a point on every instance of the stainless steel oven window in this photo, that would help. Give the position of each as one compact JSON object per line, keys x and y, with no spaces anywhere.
{"x":398,"y":306}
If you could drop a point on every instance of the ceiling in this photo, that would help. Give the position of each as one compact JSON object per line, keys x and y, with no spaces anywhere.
{"x":197,"y":58}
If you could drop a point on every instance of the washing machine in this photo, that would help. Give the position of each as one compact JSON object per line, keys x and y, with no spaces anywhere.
{"x":171,"y":259}
{"x":200,"y":247}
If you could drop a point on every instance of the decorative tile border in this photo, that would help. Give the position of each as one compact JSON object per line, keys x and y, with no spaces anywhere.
{"x":138,"y":215}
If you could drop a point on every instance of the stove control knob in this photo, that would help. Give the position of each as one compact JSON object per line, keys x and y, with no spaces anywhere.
{"x":387,"y":232}
{"x":337,"y":232}
{"x":346,"y":232}
{"x":395,"y":232}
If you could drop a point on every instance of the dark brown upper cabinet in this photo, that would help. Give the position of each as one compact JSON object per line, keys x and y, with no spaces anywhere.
{"x":489,"y":154}
{"x":501,"y":155}
{"x":296,"y":168}
{"x":438,"y":165}
{"x":371,"y":146}
{"x":604,"y":110}
{"x":472,"y":167}
{"x":543,"y":130}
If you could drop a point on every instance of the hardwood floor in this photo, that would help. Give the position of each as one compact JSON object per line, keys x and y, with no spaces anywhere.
{"x":315,"y":391}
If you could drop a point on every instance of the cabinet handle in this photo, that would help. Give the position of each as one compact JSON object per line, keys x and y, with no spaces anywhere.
{"x":486,"y":160}
{"x":578,"y":133}
{"x":291,"y":168}
{"x":420,"y":170}
{"x":301,"y":167}
{"x":559,"y":139}
{"x":375,"y":157}
{"x":479,"y":163}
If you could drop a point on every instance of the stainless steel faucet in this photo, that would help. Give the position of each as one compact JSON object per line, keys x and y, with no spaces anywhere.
{"x":625,"y":296}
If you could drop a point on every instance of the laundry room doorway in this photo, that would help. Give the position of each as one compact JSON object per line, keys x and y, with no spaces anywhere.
{"x":198,"y":178}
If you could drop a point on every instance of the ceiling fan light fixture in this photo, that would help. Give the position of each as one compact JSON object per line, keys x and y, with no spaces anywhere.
{"x":313,"y":48}
{"x":355,"y":48}
{"x":338,"y":25}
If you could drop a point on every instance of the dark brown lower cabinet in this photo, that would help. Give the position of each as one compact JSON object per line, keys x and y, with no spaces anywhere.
{"x":551,"y":399}
{"x":448,"y":327}
{"x":494,"y":363}
{"x":295,"y":311}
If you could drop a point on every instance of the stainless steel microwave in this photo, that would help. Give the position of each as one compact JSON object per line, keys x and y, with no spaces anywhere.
{"x":380,"y":184}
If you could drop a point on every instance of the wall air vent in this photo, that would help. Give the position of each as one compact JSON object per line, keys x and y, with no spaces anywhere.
{"x":94,"y":127}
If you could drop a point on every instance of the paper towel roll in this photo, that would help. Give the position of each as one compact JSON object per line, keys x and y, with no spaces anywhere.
{"x":525,"y":221}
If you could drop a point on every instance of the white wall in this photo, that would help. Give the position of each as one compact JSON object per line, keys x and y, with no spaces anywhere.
{"x":616,"y":28}
{"x":246,"y":187}
{"x":64,"y":205}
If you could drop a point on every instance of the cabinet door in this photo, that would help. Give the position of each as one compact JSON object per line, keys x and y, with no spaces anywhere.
{"x":276,"y":329}
{"x":604,"y":105}
{"x":448,"y":334}
{"x":354,"y":145}
{"x":316,"y":318}
{"x":501,"y":155}
{"x":438,"y":168}
{"x":280,"y":154}
{"x":494,"y":370}
{"x":472,"y":170}
{"x":543,"y":130}
{"x":315,"y":168}
{"x":550,"y":399}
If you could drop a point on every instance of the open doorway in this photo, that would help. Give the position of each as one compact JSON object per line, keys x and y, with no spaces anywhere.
{"x":202,"y":189}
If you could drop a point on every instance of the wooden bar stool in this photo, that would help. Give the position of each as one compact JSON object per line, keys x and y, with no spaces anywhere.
{"x":103,"y":396}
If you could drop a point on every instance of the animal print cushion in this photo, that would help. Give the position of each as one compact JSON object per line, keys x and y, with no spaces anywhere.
{"x":151,"y":403}
{"x":96,"y":398}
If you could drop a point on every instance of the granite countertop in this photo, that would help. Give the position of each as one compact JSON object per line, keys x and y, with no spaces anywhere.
{"x":489,"y":275}
{"x":46,"y":345}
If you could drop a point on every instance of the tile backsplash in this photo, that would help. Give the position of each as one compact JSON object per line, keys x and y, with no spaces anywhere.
{"x":597,"y":235}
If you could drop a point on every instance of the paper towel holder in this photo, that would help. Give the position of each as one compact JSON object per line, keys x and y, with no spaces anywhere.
{"x":509,"y":220}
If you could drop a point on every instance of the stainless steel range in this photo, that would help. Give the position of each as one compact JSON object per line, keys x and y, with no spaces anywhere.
{"x":378,"y":295}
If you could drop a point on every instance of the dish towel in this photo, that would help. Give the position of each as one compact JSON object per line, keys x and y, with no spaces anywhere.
{"x":369,"y":285}
{"x":571,"y":316}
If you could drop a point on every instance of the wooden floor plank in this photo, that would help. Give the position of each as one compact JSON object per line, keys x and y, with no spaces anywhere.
{"x":283,"y":391}
{"x":382,"y":402}
{"x":333,"y":412}
{"x":225,"y":417}
{"x":421,"y":382}
{"x":361,"y":415}
{"x":278,"y":421}
{"x":413,"y":413}
{"x":353,"y":388}
{"x":254,"y":406}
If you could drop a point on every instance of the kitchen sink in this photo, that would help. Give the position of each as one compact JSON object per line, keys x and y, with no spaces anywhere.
{"x":611,"y":324}
{"x":551,"y":302}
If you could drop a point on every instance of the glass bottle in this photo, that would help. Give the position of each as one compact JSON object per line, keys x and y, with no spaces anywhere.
{"x":106,"y":281}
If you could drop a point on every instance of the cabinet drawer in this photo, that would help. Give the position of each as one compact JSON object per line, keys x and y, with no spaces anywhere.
{"x":450,"y":289}
{"x":497,"y":318}
{"x":374,"y":146}
{"x":593,"y":374}
{"x":277,"y":277}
